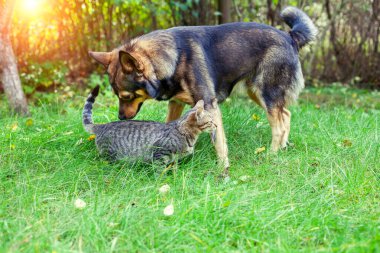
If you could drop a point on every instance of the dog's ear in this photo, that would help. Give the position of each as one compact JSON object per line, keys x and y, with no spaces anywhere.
{"x":129,"y":63}
{"x":103,"y":58}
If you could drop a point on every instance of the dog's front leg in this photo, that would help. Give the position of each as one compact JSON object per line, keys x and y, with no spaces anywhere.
{"x":221,"y":143}
{"x":175,"y":110}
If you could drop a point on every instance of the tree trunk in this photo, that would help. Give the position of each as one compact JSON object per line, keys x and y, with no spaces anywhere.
{"x":270,"y":13}
{"x":203,"y":12}
{"x":10,"y":79}
{"x":225,"y":10}
{"x":8,"y":67}
{"x":152,"y":14}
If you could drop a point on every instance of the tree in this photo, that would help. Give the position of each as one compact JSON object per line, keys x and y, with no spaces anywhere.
{"x":225,"y":10}
{"x":8,"y":66}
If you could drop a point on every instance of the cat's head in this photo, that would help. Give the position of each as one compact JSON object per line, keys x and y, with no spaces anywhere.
{"x":199,"y":119}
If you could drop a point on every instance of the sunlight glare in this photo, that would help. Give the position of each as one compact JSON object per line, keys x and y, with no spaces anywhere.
{"x":30,"y":5}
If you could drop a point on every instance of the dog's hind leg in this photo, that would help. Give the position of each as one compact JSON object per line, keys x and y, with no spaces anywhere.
{"x":175,"y":110}
{"x":286,"y":116}
{"x":279,"y":120}
{"x":255,"y":98}
{"x":277,"y":126}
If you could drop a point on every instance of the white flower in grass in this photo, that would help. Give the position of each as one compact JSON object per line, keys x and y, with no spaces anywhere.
{"x":169,"y":210}
{"x":244,"y":178}
{"x":226,"y":179}
{"x":113,"y":224}
{"x":79,"y":204}
{"x":164,"y":189}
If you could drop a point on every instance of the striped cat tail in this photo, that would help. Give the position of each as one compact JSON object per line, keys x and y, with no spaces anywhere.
{"x":87,"y":110}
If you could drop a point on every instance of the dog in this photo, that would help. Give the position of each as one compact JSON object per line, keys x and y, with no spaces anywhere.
{"x":188,"y":64}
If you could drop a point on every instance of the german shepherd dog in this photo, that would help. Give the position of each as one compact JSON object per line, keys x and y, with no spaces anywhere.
{"x":188,"y":64}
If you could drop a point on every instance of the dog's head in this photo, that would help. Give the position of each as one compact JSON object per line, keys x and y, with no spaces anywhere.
{"x":132,"y":78}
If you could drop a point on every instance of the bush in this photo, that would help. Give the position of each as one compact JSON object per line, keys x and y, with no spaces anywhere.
{"x":43,"y":76}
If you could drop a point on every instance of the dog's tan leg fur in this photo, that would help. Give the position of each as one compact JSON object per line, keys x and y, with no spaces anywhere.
{"x":221,"y":142}
{"x":279,"y":120}
{"x":278,"y":129}
{"x":175,"y":110}
{"x":286,"y":115}
{"x":255,"y":98}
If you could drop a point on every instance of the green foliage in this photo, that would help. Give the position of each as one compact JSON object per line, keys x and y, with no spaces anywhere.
{"x":103,"y":81}
{"x":43,"y":76}
{"x":319,"y":195}
{"x":53,"y":40}
{"x":96,"y":79}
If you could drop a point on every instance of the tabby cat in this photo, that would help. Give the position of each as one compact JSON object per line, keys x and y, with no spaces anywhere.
{"x":147,"y":140}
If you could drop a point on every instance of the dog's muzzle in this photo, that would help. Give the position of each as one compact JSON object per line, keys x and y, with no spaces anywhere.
{"x":122,"y":117}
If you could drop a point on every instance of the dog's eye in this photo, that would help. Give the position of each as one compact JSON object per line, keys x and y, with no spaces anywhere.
{"x":138,"y":78}
{"x":126,"y":96}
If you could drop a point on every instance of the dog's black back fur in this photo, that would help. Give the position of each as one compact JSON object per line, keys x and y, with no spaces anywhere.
{"x":231,"y":57}
{"x":220,"y":56}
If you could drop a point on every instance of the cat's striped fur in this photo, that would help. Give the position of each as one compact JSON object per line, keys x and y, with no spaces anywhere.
{"x":148,"y":140}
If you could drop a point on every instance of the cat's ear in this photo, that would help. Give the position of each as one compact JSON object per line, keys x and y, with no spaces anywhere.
{"x":199,"y":106}
{"x":214,"y":103}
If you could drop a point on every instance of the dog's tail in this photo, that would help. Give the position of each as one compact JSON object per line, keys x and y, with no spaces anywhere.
{"x":302,"y":30}
{"x":87,"y":110}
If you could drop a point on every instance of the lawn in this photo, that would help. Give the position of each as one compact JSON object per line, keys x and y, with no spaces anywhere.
{"x":321,"y":194}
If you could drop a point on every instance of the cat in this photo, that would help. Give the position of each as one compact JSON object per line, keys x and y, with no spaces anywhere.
{"x":148,"y":140}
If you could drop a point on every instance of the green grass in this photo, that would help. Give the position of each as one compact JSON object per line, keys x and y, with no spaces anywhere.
{"x":321,"y":194}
